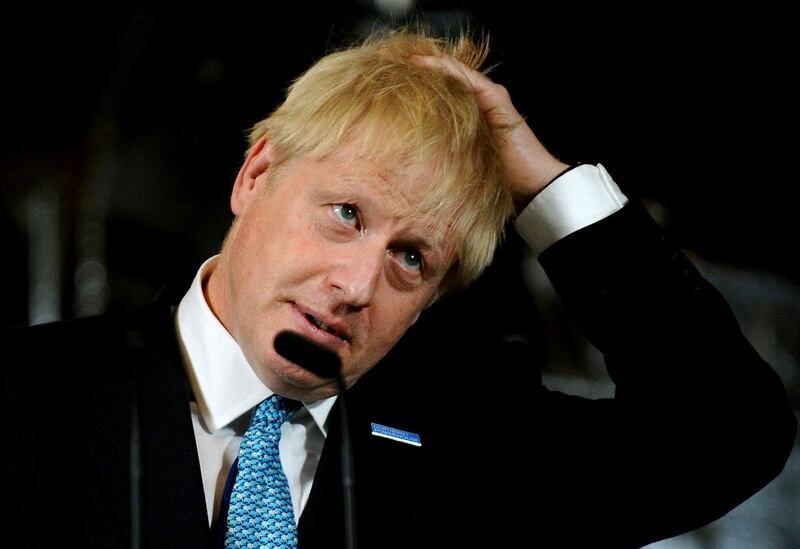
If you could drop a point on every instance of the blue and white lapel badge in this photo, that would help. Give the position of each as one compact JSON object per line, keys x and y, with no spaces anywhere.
{"x":396,"y":434}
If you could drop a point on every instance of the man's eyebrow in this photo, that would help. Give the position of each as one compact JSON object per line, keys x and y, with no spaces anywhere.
{"x":431,"y":246}
{"x":423,"y":232}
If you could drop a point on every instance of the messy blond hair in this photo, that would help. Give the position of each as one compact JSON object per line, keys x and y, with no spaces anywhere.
{"x":410,"y":115}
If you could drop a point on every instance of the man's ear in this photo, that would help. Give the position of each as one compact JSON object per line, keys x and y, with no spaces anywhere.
{"x":250,"y":178}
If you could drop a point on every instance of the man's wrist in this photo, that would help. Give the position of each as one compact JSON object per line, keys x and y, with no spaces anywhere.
{"x":547,"y":173}
{"x":577,"y":197}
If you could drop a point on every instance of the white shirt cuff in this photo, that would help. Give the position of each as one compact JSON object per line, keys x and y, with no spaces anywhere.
{"x":582,"y":196}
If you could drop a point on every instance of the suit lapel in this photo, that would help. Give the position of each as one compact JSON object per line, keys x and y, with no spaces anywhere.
{"x":142,"y":362}
{"x":388,"y":474}
{"x":174,"y":501}
{"x":321,"y":524}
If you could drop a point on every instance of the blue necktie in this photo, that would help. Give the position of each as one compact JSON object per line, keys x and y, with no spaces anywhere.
{"x":260,"y":511}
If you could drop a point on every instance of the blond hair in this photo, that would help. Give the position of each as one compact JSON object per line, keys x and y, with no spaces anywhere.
{"x":411,"y":115}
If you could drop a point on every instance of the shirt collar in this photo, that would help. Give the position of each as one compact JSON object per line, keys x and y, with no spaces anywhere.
{"x":224,"y":384}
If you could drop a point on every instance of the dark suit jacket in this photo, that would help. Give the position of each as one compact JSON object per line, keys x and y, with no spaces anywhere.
{"x":698,"y":424}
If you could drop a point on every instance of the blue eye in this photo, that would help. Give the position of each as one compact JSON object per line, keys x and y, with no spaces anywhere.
{"x":347,"y":213}
{"x":411,"y":259}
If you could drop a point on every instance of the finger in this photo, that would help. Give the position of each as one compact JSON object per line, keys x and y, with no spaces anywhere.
{"x":471,"y":78}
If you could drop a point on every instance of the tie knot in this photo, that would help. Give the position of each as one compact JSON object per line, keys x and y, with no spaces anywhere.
{"x":275,"y":410}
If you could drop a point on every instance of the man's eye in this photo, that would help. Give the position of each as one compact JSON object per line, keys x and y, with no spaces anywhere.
{"x":411,"y":259}
{"x":348,"y":213}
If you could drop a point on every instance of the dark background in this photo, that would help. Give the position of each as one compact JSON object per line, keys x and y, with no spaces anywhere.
{"x":135,"y":113}
{"x":123,"y":129}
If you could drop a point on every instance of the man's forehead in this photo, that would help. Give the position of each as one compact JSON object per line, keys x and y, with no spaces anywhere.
{"x":397,"y":181}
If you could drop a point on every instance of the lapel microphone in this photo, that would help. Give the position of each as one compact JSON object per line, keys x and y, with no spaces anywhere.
{"x":326,"y":364}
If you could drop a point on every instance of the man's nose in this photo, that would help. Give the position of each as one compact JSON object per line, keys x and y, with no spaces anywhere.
{"x":356,"y":274}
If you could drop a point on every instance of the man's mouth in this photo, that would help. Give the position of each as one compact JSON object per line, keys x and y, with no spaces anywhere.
{"x":322,"y":326}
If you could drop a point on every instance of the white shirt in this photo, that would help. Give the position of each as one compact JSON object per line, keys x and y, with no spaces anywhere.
{"x":226,"y":388}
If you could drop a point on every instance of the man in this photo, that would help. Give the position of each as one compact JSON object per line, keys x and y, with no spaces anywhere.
{"x":383,"y":181}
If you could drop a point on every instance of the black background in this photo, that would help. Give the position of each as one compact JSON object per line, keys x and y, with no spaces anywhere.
{"x":692,"y":109}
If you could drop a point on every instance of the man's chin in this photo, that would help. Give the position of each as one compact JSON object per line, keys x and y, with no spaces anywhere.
{"x":295,"y":382}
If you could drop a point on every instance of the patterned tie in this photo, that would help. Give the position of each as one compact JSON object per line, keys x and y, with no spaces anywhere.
{"x":260,"y":511}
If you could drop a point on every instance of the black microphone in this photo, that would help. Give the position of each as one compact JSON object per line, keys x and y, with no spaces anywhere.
{"x":304,"y":352}
{"x":326,"y":364}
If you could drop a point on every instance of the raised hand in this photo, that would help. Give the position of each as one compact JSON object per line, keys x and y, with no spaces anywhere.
{"x":528,"y":166}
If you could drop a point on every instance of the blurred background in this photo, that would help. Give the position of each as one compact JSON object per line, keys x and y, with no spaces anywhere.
{"x":123,"y":129}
